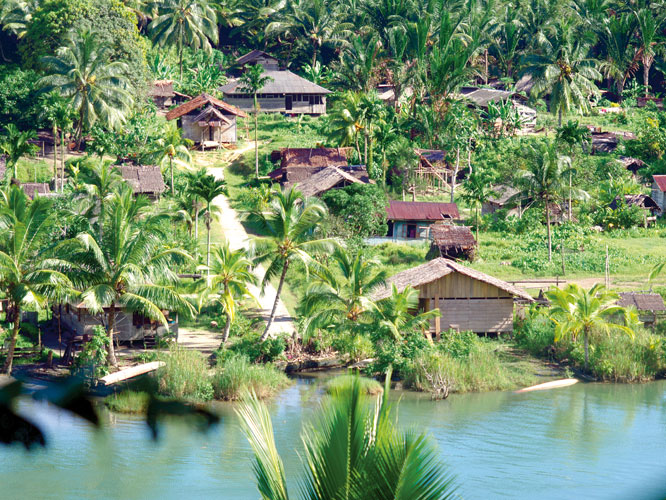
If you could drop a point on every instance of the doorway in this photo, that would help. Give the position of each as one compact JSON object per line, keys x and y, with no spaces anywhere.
{"x":288,"y":102}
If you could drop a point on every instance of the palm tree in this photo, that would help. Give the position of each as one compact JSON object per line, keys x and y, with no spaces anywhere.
{"x":339,"y":297}
{"x":564,"y":70}
{"x":575,"y":310}
{"x":478,"y":189}
{"x":395,"y":315}
{"x":617,"y":35}
{"x":208,"y":187}
{"x":542,"y":181}
{"x":229,"y":276}
{"x":27,"y":275}
{"x":83,"y":73}
{"x":184,"y":22}
{"x":130,"y":268}
{"x":100,"y":183}
{"x":252,"y":81}
{"x":650,"y":27}
{"x":289,"y":226}
{"x":343,"y":122}
{"x":55,"y":110}
{"x":173,"y":150}
{"x":16,"y":144}
{"x":572,"y":135}
{"x":353,"y":449}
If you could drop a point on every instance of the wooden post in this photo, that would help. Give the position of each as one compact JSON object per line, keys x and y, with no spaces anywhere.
{"x":607,"y":270}
{"x":438,"y":328}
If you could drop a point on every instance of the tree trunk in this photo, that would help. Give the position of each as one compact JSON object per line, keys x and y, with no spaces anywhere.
{"x":365,"y":147}
{"x":110,"y":349}
{"x":454,"y":175}
{"x":227,"y":329}
{"x":646,"y":75}
{"x":550,"y":245}
{"x":63,"y":149}
{"x":180,"y":51}
{"x":485,"y":74}
{"x":171,"y":168}
{"x":477,"y":222}
{"x":208,"y":217}
{"x":586,"y":347}
{"x":256,"y":144}
{"x":7,"y":368}
{"x":559,"y":117}
{"x":55,"y":156}
{"x":264,"y":335}
{"x":570,"y":188}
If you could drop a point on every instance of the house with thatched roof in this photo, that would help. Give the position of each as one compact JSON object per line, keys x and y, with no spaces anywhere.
{"x":413,"y":219}
{"x":207,"y":121}
{"x":143,"y":179}
{"x":649,"y":305}
{"x":164,"y":96}
{"x":658,"y":193}
{"x":285,"y":92}
{"x":633,"y":165}
{"x":299,"y":164}
{"x":329,"y":178}
{"x":452,"y":242}
{"x":467,"y":299}
{"x":642,"y":201}
{"x":503,"y":198}
{"x":481,"y":97}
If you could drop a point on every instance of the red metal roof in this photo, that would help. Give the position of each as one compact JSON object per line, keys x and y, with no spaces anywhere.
{"x":421,"y":210}
{"x":661,"y":181}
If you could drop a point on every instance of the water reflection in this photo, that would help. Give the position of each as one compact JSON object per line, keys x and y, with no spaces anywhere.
{"x":584,"y":441}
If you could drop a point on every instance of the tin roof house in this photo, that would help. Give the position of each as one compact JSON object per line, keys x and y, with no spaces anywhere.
{"x":413,"y":219}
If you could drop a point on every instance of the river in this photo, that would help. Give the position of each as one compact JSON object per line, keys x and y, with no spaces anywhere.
{"x":581,"y":442}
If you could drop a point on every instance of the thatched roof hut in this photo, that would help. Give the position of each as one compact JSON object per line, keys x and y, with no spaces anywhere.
{"x":327,"y":179}
{"x":647,"y":304}
{"x":299,"y":164}
{"x":639,"y":200}
{"x":632,"y":164}
{"x":452,"y":242}
{"x":145,"y":179}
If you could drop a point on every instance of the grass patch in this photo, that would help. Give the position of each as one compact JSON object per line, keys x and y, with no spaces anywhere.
{"x":127,"y":402}
{"x":368,"y":385}
{"x":185,"y":376}
{"x":236,"y":376}
{"x":34,"y":170}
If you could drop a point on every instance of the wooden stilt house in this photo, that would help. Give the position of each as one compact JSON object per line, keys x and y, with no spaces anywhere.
{"x":468,"y":300}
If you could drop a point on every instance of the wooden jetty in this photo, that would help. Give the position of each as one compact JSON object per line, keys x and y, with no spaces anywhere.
{"x":565,"y":382}
{"x":131,"y":372}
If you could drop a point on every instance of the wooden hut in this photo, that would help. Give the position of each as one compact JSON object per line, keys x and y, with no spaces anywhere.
{"x":164,"y":96}
{"x":452,"y":242}
{"x":481,"y":97}
{"x":299,"y":164}
{"x":413,"y":219}
{"x":144,"y":179}
{"x":327,"y":179}
{"x":468,"y":300}
{"x":434,"y":172}
{"x":642,"y":201}
{"x":648,"y":305}
{"x":632,"y":164}
{"x":207,"y":121}
{"x":503,"y":198}
{"x":658,"y":193}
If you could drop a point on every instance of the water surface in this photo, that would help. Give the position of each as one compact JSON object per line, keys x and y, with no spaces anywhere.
{"x":585,"y":441}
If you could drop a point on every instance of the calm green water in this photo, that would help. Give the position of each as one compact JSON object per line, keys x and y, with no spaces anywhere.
{"x":582,"y":442}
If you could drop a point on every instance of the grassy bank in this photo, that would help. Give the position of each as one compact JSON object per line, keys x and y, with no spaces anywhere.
{"x":236,"y":377}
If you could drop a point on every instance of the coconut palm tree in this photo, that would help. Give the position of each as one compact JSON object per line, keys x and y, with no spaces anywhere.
{"x":576,"y":311}
{"x":289,"y":227}
{"x":53,"y":105}
{"x":339,"y":296}
{"x":208,"y":187}
{"x":343,"y":121}
{"x":617,"y":36}
{"x":395,"y":315}
{"x":130,"y":268}
{"x":563,"y":70}
{"x":27,"y":275}
{"x":15,"y":144}
{"x":184,"y":22}
{"x":650,"y":24}
{"x":477,"y":190}
{"x":252,"y":81}
{"x":83,"y":73}
{"x":100,"y":183}
{"x":173,"y":150}
{"x":353,"y":449}
{"x":230,"y":274}
{"x":542,"y":182}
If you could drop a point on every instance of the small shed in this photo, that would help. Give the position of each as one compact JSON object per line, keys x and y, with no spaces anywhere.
{"x":257,"y":57}
{"x":164,"y":96}
{"x":659,"y":190}
{"x":144,"y":179}
{"x":327,"y":179}
{"x":481,"y":97}
{"x":502,"y":199}
{"x":299,"y":164}
{"x":632,"y":164}
{"x":413,"y":219}
{"x":452,"y":242}
{"x":639,"y":200}
{"x":468,"y":300}
{"x":648,"y":305}
{"x":207,"y":121}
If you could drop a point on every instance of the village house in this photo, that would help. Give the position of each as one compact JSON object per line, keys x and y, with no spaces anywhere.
{"x":330,"y":178}
{"x":128,"y":326}
{"x":285,"y":92}
{"x":503,"y":198}
{"x":482,"y":96}
{"x":434,"y":173}
{"x":658,"y":190}
{"x":413,"y":219}
{"x":648,"y":305}
{"x":299,"y":164}
{"x":633,"y":165}
{"x":207,"y":121}
{"x":468,"y":300}
{"x":650,"y":207}
{"x":452,"y":242}
{"x":143,"y":179}
{"x":164,"y":96}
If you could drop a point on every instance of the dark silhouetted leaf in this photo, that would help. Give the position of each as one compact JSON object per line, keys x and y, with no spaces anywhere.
{"x":16,"y":429}
{"x":158,"y":409}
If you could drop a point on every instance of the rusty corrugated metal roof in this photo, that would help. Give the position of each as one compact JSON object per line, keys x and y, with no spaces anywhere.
{"x":421,"y":210}
{"x":660,"y":180}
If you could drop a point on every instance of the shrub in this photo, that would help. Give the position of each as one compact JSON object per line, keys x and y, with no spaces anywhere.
{"x":368,"y":385}
{"x":91,"y":361}
{"x":536,"y":334}
{"x":357,"y":347}
{"x":127,"y":402}
{"x":256,"y":351}
{"x":236,"y":376}
{"x":185,"y":375}
{"x":399,"y":355}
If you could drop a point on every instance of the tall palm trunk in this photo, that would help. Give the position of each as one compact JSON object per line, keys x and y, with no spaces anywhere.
{"x":559,"y":117}
{"x":586,"y":346}
{"x":227,"y":329}
{"x":171,"y":168}
{"x":477,"y":222}
{"x":112,"y":323}
{"x":454,"y":175}
{"x":264,"y":335}
{"x":63,"y":148}
{"x":180,"y":49}
{"x":208,"y":220}
{"x":550,"y":244}
{"x":55,"y":155}
{"x":7,"y":368}
{"x":647,"y":62}
{"x":256,"y":144}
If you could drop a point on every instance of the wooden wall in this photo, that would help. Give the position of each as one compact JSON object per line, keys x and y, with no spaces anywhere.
{"x":277,"y":105}
{"x":468,"y":304}
{"x":192,"y":130}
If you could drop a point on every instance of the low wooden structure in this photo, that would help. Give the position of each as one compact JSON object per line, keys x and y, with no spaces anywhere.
{"x":206,"y":119}
{"x":128,"y":326}
{"x":144,"y":179}
{"x":32,"y":189}
{"x":297,"y":165}
{"x":131,"y":372}
{"x":329,"y":178}
{"x":658,"y":193}
{"x":481,"y":97}
{"x":452,"y":242}
{"x":503,"y":198}
{"x":642,"y":201}
{"x":413,"y":219}
{"x":649,"y":305}
{"x":632,"y":164}
{"x":468,"y":300}
{"x":434,"y":173}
